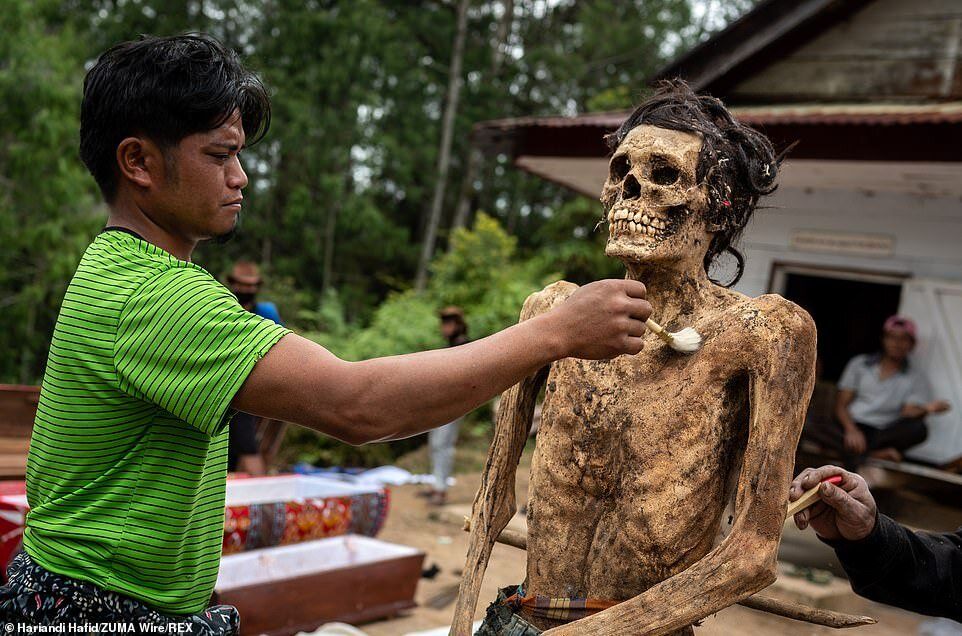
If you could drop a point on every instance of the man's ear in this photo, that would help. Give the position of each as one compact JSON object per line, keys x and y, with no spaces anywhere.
{"x":140,"y":161}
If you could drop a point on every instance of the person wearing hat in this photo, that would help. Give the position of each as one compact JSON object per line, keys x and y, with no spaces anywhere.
{"x":245,"y":281}
{"x":883,"y":399}
{"x":243,"y":454}
{"x":442,"y":440}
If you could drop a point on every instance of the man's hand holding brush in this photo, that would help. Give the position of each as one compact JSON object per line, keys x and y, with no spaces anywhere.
{"x":844,"y":511}
{"x":398,"y":396}
{"x":884,"y":561}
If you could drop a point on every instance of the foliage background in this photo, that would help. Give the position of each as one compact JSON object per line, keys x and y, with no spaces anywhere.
{"x":341,"y":187}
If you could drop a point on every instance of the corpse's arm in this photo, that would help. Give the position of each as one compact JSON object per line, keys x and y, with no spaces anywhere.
{"x":495,"y":503}
{"x":782,"y":371}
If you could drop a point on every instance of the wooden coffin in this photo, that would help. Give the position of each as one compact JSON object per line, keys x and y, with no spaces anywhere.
{"x":264,"y":512}
{"x":287,"y":589}
{"x":18,"y":407}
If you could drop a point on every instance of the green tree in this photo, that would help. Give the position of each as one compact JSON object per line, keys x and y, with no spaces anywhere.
{"x":48,"y":209}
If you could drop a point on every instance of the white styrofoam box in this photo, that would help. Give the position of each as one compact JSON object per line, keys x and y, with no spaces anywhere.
{"x":258,"y":567}
{"x":256,"y":490}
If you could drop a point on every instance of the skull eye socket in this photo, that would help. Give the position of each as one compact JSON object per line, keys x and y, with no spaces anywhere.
{"x":619,"y":168}
{"x":664,"y":173}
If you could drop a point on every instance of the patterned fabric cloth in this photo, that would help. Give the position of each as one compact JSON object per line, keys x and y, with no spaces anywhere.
{"x":35,"y":597}
{"x":559,"y":609}
{"x":368,"y":512}
{"x":502,"y":618}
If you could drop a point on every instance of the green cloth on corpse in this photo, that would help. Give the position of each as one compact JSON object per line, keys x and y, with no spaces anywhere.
{"x":501,"y":620}
{"x":127,"y":464}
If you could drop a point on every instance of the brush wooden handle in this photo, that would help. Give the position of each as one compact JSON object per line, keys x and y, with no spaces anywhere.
{"x":658,"y":330}
{"x":810,"y":497}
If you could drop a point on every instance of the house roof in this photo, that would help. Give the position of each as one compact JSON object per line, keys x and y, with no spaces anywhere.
{"x":897,"y":132}
{"x":893,"y":125}
{"x":770,"y":30}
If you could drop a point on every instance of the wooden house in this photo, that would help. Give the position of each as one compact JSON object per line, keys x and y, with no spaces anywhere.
{"x":867,"y":220}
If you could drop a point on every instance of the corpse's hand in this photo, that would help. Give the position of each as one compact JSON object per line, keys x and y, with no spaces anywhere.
{"x":846,"y":511}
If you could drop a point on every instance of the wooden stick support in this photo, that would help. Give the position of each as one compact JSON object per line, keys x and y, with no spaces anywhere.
{"x":786,"y":609}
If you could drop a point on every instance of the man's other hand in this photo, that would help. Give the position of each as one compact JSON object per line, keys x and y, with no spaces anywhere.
{"x":846,"y":511}
{"x":938,"y":406}
{"x":602,"y":320}
{"x":854,"y":441}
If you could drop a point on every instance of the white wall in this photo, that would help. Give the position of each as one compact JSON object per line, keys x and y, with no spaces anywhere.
{"x":927,"y":233}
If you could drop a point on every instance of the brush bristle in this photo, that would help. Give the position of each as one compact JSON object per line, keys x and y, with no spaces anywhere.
{"x":686,"y":341}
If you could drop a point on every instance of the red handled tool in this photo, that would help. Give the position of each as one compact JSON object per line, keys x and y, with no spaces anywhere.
{"x":810,"y":497}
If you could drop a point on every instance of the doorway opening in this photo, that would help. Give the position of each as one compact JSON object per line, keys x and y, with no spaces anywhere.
{"x":848,"y":308}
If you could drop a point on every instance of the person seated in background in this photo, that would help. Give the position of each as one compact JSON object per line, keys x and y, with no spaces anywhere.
{"x":243,"y":454}
{"x":883,"y":399}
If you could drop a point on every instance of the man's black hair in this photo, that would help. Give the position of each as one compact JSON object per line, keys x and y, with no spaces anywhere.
{"x":164,"y":88}
{"x":737,"y":163}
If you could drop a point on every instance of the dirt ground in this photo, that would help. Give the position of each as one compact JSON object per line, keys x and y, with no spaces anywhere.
{"x":412,"y":522}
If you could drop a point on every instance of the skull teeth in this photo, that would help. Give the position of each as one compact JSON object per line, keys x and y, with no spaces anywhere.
{"x":623,"y":221}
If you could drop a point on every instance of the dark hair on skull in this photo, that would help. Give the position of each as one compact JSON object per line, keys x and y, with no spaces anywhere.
{"x":737,"y":164}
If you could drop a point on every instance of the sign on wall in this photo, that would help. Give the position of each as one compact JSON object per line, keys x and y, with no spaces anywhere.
{"x":857,"y":243}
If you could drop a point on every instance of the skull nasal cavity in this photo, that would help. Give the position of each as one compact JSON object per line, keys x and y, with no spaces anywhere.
{"x":631,"y":189}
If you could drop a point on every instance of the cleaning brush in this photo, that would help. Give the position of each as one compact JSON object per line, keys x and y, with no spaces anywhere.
{"x":686,"y":341}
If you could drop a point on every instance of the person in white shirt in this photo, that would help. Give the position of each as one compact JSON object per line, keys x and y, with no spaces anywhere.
{"x":883,"y":400}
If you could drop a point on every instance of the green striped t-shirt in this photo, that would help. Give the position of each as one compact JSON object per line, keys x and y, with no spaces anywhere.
{"x":127,"y":464}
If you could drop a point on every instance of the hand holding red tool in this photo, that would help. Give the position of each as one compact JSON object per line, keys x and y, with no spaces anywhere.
{"x":810,"y":497}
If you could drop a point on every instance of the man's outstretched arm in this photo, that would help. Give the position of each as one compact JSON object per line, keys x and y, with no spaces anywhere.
{"x":885,"y":561}
{"x":390,"y":398}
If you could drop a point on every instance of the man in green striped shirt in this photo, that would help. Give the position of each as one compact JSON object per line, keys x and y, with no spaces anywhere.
{"x":151,"y":356}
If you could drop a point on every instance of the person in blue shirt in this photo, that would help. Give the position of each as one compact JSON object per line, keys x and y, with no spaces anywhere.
{"x":242,"y":452}
{"x":245,"y":281}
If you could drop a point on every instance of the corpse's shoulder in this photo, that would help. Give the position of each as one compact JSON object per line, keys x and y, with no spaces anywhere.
{"x":543,"y":301}
{"x":773,"y":321}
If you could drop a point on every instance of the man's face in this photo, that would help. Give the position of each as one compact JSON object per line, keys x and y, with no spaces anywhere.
{"x":244,"y":288}
{"x":199,"y":196}
{"x":245,"y":291}
{"x":897,"y":345}
{"x":655,"y":206}
{"x":450,"y":327}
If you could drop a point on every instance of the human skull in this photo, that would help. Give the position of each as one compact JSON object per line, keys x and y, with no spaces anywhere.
{"x":652,"y":199}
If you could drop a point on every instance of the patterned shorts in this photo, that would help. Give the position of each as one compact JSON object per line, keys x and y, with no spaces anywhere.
{"x":34,"y":596}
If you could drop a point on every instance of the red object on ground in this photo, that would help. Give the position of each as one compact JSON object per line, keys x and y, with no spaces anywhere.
{"x":13,"y":514}
{"x":246,"y":526}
